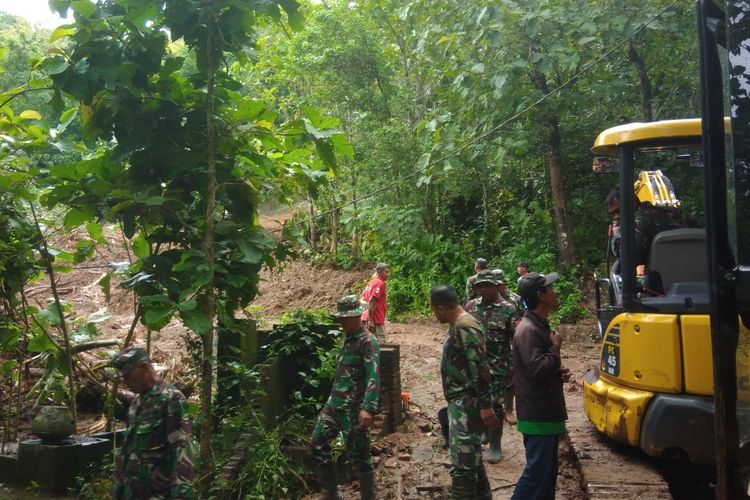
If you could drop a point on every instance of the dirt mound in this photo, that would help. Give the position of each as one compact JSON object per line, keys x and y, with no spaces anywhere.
{"x":299,"y":285}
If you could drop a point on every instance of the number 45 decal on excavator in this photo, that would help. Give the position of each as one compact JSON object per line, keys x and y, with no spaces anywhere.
{"x":611,"y":352}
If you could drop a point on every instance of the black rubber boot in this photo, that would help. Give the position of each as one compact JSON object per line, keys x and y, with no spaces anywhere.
{"x":464,"y":488}
{"x":367,"y":485}
{"x":496,"y":452}
{"x":484,"y":490}
{"x":443,"y":419}
{"x":485,"y":437}
{"x":329,"y":481}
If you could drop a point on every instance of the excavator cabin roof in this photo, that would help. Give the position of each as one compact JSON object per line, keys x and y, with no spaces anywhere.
{"x":652,"y":136}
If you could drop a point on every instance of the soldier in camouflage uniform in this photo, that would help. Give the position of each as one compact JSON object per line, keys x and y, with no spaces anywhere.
{"x":518,"y":308}
{"x":479,"y":265}
{"x":352,"y":404}
{"x":466,"y":385}
{"x":495,"y":314}
{"x":510,"y":296}
{"x":156,"y":460}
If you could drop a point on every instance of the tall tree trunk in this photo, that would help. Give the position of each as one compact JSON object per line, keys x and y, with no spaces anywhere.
{"x":564,"y":235}
{"x":565,"y":245}
{"x":335,"y":234}
{"x":209,"y":304}
{"x":646,"y":90}
{"x":313,"y":229}
{"x":486,"y":208}
{"x":68,"y":351}
{"x":355,"y":236}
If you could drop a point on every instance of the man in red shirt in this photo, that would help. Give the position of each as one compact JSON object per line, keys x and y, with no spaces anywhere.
{"x":375,"y":296}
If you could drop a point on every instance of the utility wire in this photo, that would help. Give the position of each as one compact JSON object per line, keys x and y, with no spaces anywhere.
{"x":495,"y":129}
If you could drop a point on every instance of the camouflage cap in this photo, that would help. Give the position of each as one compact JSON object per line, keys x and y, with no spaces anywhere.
{"x":348,"y":306}
{"x":499,"y":276}
{"x":127,"y":359}
{"x":485,"y":276}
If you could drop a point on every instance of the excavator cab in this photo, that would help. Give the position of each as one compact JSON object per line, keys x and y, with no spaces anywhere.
{"x":674,"y":374}
{"x":653,"y":387}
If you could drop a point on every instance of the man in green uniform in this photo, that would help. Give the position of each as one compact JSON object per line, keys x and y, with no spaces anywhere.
{"x":156,"y":460}
{"x":352,"y":404}
{"x":495,"y":314}
{"x":466,"y":386}
{"x":513,"y":298}
{"x":479,"y":265}
{"x":518,"y":308}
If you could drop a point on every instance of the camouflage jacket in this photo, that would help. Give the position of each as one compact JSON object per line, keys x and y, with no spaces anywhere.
{"x":463,"y":366}
{"x":650,"y":221}
{"x":498,"y":325}
{"x":470,"y":293}
{"x":157,"y":457}
{"x":357,"y":382}
{"x":516,"y":302}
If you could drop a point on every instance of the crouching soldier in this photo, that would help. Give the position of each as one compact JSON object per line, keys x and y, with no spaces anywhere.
{"x":352,"y":404}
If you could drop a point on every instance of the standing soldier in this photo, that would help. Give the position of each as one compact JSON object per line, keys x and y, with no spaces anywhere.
{"x":156,"y":459}
{"x":496,"y":316}
{"x":479,"y":265}
{"x":466,"y":385}
{"x":513,"y":298}
{"x":515,"y":301}
{"x":351,"y":406}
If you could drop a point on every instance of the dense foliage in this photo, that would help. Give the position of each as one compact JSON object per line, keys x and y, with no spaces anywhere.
{"x":428,"y":94}
{"x":419,"y":133}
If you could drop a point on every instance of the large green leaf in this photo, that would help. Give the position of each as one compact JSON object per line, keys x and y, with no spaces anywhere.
{"x":157,"y":317}
{"x":77,"y":216}
{"x":40,"y":343}
{"x":196,"y":321}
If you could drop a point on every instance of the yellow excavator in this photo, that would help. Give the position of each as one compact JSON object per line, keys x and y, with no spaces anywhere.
{"x":653,"y":387}
{"x":673,"y":378}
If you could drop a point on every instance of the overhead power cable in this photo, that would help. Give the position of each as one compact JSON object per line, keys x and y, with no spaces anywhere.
{"x":587,"y":67}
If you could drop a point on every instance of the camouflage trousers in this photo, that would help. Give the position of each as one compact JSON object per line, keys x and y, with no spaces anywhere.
{"x":464,"y":436}
{"x":335,"y":421}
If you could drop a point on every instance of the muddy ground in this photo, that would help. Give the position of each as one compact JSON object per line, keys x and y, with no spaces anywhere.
{"x":414,"y":457}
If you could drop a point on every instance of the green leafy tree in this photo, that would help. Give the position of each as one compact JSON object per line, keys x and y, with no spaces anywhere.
{"x":181,"y":161}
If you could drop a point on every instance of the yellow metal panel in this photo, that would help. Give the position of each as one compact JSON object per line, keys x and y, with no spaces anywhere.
{"x":615,"y":410}
{"x":610,"y":140}
{"x":643,"y":351}
{"x":696,"y":354}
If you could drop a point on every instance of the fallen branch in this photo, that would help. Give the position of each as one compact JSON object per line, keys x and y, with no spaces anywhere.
{"x":95,"y":344}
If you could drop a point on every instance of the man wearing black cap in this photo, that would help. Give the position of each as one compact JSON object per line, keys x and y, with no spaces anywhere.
{"x":538,"y":377}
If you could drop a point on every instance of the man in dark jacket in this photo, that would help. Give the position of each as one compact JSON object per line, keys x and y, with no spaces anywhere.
{"x":538,"y":378}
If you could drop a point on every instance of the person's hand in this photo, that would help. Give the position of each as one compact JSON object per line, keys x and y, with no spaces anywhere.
{"x":371,"y":328}
{"x":489,"y":419}
{"x":556,"y":339}
{"x":564,"y":374}
{"x":365,"y":419}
